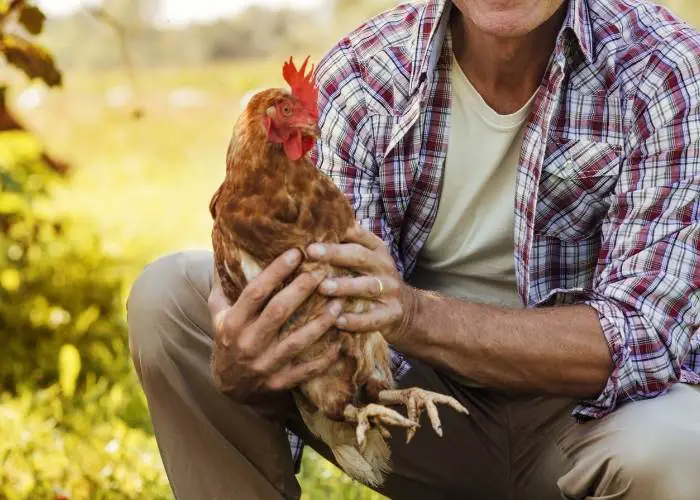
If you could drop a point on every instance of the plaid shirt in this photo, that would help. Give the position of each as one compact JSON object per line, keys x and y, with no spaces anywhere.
{"x":607,"y":203}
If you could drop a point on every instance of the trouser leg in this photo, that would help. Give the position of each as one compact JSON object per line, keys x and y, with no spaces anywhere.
{"x":212,"y":447}
{"x":645,"y":450}
{"x":519,"y":447}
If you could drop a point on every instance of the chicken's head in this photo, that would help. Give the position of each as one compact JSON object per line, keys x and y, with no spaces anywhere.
{"x":287,"y":122}
{"x":291,"y":118}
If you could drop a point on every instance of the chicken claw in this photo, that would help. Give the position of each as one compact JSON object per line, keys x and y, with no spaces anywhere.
{"x":378,"y":415}
{"x":416,"y":400}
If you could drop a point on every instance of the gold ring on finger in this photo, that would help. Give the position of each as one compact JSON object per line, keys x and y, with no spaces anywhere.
{"x":381,"y":286}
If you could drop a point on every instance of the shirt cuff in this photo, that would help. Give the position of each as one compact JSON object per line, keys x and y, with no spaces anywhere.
{"x":612,"y":320}
{"x":610,"y":317}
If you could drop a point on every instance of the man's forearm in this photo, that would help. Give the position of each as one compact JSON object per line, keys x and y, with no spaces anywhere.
{"x":555,"y":350}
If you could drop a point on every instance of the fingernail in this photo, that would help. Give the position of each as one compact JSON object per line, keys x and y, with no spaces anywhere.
{"x":319,"y":274}
{"x":316,"y":250}
{"x":329,"y":286}
{"x":292,"y":257}
{"x":341,"y":322}
{"x":335,"y":308}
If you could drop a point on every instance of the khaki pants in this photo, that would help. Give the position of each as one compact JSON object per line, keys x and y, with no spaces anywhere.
{"x":511,"y":447}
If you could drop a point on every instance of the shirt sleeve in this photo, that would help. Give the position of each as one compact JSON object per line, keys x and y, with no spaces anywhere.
{"x":345,"y":151}
{"x":646,"y":291}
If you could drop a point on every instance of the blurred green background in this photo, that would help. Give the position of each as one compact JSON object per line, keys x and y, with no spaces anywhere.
{"x":109,"y":153}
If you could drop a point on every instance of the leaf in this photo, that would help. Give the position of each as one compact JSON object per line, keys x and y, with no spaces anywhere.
{"x":8,"y":182}
{"x":32,"y":19}
{"x":11,"y":203}
{"x":10,"y":279}
{"x":68,"y":368}
{"x":30,"y":58}
{"x":86,"y":319}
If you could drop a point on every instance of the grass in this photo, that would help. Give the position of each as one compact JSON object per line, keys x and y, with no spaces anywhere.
{"x":145,"y":184}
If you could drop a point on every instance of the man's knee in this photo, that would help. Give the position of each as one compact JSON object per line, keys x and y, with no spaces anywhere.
{"x":171,"y":292}
{"x":661,"y":464}
{"x":649,"y":451}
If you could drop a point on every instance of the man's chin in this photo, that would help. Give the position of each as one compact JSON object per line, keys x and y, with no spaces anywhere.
{"x":514,"y":20}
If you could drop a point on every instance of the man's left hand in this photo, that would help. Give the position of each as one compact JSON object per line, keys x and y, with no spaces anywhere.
{"x":366,"y":254}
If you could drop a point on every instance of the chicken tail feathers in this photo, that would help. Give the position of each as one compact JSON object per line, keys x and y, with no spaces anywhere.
{"x":369,"y":464}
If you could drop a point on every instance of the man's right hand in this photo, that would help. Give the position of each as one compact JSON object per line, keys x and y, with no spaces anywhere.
{"x":249,"y":357}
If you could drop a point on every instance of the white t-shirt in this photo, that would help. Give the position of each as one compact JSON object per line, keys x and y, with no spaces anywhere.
{"x":469,"y":252}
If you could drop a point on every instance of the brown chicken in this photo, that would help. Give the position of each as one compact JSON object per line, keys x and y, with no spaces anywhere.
{"x":274,"y":199}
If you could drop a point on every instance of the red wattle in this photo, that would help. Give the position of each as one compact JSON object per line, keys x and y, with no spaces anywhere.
{"x":293,"y":146}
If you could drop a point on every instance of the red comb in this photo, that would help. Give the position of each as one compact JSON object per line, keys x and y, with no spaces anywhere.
{"x":302,"y":85}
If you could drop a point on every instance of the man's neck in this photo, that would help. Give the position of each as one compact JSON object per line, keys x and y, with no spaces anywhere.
{"x":505,"y":71}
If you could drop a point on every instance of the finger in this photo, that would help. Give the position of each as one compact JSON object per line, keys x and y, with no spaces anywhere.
{"x":285,"y":303}
{"x":347,"y":255}
{"x":215,"y":279}
{"x":217,"y":301}
{"x":218,"y":304}
{"x":376,"y":319}
{"x":366,"y":287}
{"x":293,"y":375}
{"x":256,"y":293}
{"x":299,"y":340}
{"x":366,"y":238}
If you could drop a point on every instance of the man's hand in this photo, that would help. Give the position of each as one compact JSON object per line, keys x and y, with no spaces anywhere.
{"x":366,"y":254}
{"x":554,"y":350}
{"x":249,"y":357}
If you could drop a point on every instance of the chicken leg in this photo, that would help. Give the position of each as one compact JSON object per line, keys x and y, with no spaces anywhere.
{"x":378,"y":415}
{"x":416,"y":400}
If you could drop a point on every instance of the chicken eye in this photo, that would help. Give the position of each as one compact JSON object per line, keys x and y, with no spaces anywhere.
{"x":286,"y":110}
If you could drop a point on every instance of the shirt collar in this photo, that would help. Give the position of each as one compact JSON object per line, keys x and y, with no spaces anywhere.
{"x":578,"y":22}
{"x":428,"y":39}
{"x":434,"y":22}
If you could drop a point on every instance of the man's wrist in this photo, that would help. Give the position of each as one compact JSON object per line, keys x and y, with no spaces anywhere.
{"x":409,"y":303}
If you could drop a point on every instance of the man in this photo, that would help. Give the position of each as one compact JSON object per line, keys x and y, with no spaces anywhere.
{"x":533,"y":170}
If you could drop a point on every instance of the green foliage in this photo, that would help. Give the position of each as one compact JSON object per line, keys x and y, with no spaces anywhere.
{"x":73,"y":423}
{"x":56,"y":285}
{"x":320,"y":480}
{"x":54,"y":447}
{"x":68,"y":369}
{"x":61,"y":327}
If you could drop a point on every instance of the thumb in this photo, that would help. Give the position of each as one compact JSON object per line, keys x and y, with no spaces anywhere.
{"x":217,"y":302}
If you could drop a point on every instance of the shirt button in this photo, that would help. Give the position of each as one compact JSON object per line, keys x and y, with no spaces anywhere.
{"x":568,"y":167}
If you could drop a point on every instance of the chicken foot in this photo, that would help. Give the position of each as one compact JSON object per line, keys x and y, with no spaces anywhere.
{"x":377,"y":415}
{"x":416,"y":400}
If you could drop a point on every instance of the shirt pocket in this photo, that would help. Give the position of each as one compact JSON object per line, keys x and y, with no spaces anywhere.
{"x":578,"y":178}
